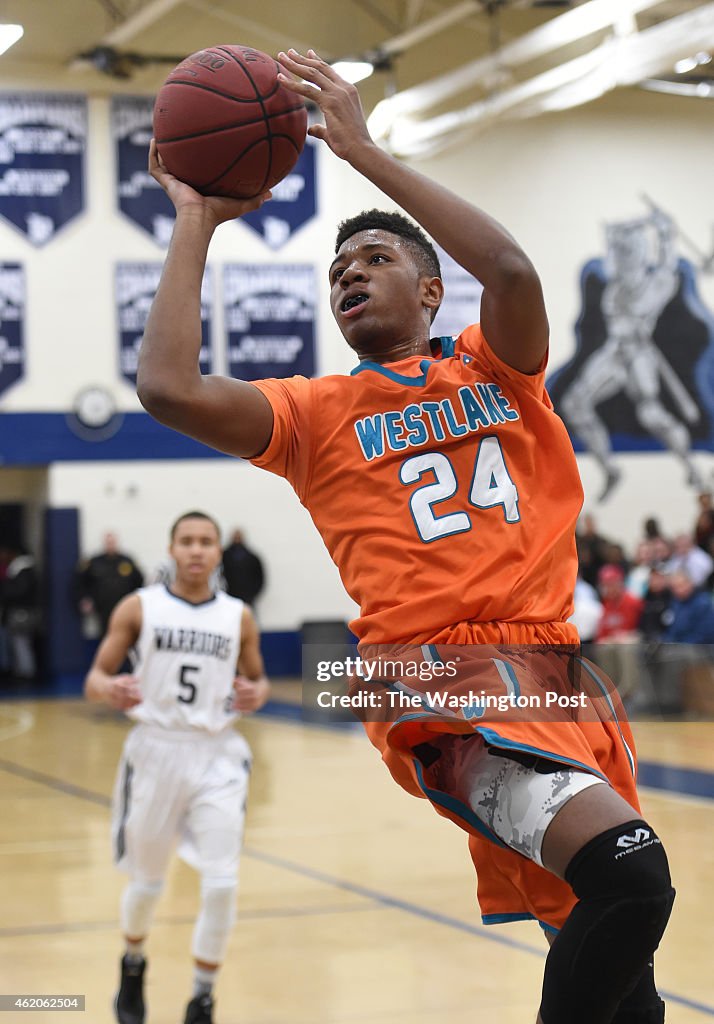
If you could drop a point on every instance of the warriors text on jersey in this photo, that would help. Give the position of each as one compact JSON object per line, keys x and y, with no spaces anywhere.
{"x":445,"y":488}
{"x":186,"y":660}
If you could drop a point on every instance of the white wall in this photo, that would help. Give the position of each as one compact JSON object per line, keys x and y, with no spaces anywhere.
{"x":140,"y":500}
{"x":554,"y":182}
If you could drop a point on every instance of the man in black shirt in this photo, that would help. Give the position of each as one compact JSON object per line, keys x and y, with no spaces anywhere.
{"x":103,"y":580}
{"x":242,"y":570}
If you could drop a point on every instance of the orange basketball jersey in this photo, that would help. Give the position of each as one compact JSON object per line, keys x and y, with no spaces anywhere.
{"x":445,"y":488}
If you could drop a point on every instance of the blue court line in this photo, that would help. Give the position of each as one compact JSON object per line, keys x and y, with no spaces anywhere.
{"x":248,"y":915}
{"x":438,"y":918}
{"x":478,"y":931}
{"x":49,"y":780}
{"x":653,"y":774}
{"x":673,"y":779}
{"x":394,"y":903}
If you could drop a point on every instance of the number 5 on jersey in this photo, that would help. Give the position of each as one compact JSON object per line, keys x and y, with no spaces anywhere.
{"x":491,"y":485}
{"x":188,"y":687}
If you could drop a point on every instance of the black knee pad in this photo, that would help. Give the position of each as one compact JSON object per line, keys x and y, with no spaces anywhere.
{"x":643,"y":1004}
{"x":629,"y":858}
{"x":622,"y":882}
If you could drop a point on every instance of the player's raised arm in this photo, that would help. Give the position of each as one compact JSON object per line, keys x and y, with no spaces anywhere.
{"x":513,"y":313}
{"x":227,"y":414}
{"x":102,"y":685}
{"x":251,"y":686}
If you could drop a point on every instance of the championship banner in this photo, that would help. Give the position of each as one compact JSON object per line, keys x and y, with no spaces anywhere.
{"x":135,"y":287}
{"x":270,"y":320}
{"x":462,"y":298}
{"x":12,"y":321}
{"x":42,"y":145}
{"x":141,"y":198}
{"x":294,"y":202}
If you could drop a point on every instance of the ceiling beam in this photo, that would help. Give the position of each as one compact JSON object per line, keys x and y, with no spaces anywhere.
{"x":247,"y":25}
{"x":136,"y":23}
{"x":127,"y":30}
{"x":619,"y":61}
{"x":563,"y":30}
{"x":425,"y":29}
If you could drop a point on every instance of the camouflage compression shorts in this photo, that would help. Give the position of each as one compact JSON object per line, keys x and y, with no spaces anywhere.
{"x":516,"y":796}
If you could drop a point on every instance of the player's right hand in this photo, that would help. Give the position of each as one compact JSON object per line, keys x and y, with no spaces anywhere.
{"x":345,"y":128}
{"x":123,"y":692}
{"x":218,"y":208}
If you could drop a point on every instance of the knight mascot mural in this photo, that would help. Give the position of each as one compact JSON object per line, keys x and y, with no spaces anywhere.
{"x":642,"y":377}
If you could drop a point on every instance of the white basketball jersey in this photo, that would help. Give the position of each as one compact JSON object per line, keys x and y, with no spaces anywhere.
{"x":186,"y":660}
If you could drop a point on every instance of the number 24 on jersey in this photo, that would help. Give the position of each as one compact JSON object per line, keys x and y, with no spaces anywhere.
{"x":491,"y":485}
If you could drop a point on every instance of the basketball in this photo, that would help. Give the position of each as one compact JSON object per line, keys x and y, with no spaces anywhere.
{"x":225,"y":125}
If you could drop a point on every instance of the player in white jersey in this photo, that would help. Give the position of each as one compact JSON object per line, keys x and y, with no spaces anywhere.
{"x":184,"y":770}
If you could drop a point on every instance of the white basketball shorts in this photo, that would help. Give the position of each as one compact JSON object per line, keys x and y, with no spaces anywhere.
{"x":179,"y":787}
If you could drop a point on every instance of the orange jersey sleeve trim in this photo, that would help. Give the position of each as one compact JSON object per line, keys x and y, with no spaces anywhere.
{"x":472,"y":341}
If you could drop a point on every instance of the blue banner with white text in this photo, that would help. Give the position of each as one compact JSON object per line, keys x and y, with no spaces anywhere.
{"x":12,"y":324}
{"x":42,"y":151}
{"x":269,"y":315}
{"x":140,"y":197}
{"x":294,"y":202}
{"x":136,"y":286}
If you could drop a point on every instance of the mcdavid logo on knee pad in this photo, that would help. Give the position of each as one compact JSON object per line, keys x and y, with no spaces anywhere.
{"x":635,"y":842}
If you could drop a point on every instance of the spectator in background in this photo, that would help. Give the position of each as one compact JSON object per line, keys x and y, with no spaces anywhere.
{"x":686,"y":644}
{"x":652,"y":530}
{"x":655,"y":619}
{"x":242,"y":570}
{"x":587,"y":611}
{"x":615,"y":555}
{"x":704,"y":526}
{"x":638,"y":578}
{"x":103,"y":580}
{"x":621,"y":611}
{"x":657,"y":598}
{"x":661,"y":547}
{"x":692,"y":613}
{"x":591,"y":549}
{"x":689,"y":559}
{"x":4,"y":642}
{"x":19,"y":601}
{"x":617,"y":647}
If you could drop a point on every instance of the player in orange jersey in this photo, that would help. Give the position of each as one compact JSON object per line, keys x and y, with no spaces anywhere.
{"x":446,"y":491}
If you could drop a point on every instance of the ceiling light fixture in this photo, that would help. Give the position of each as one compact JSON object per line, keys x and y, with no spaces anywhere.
{"x":685,"y":65}
{"x":354,"y":70}
{"x":9,"y":35}
{"x":704,"y":90}
{"x":690,"y":63}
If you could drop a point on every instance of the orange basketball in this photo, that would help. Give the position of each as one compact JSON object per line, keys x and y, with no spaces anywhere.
{"x":225,"y":125}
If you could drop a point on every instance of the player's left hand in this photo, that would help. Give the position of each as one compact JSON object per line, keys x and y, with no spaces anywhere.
{"x":219,"y":208}
{"x":250,"y":694}
{"x":345,"y":127}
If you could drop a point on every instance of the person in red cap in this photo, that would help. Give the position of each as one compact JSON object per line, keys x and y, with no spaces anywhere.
{"x":621,"y":610}
{"x":617,"y":637}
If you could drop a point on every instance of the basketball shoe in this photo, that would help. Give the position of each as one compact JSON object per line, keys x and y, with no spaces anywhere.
{"x":199,"y":1010}
{"x":129,"y":1002}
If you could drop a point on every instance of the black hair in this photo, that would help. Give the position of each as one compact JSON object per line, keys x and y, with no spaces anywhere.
{"x":397,"y":224}
{"x":195,"y":514}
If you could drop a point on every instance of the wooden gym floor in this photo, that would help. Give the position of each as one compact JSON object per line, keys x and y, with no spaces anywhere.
{"x":356,"y":902}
